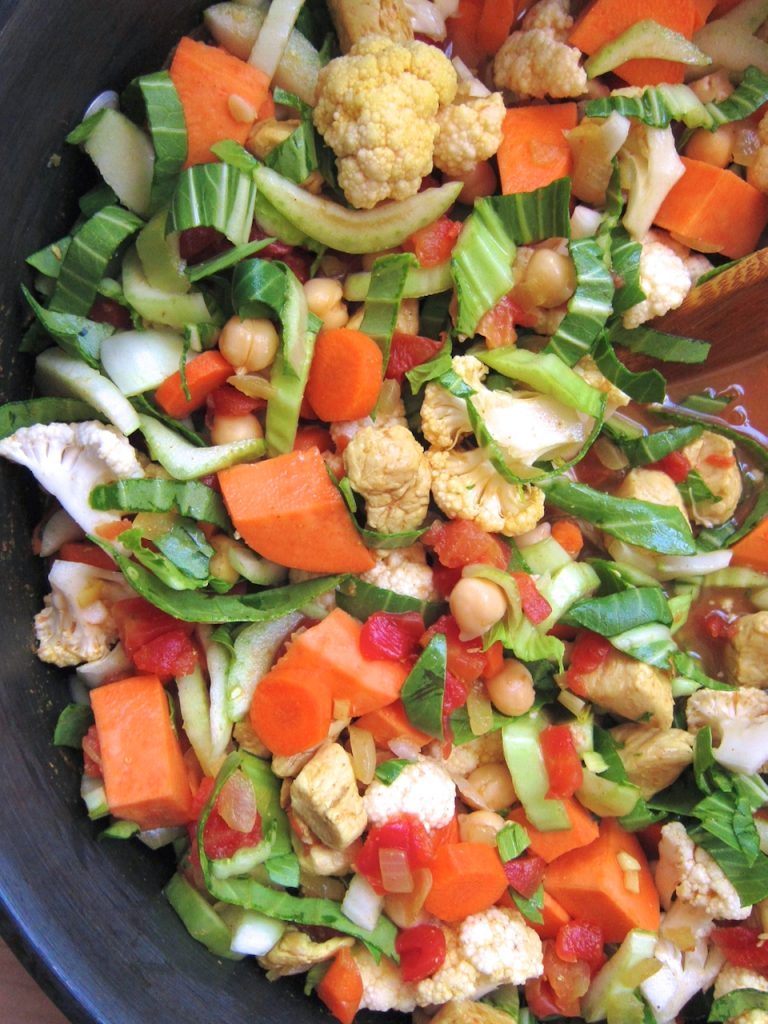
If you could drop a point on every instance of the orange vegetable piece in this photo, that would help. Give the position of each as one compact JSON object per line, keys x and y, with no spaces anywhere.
{"x":204,"y":374}
{"x":206,"y":79}
{"x":703,"y":10}
{"x":345,"y":376}
{"x":714,"y":210}
{"x":551,"y":845}
{"x":495,"y":23}
{"x":752,"y":550}
{"x":87,"y":554}
{"x":466,"y":878}
{"x":291,"y":710}
{"x":389,"y":723}
{"x":462,"y":32}
{"x":341,"y":988}
{"x":330,"y":651}
{"x":604,"y":20}
{"x":590,"y":884}
{"x":534,"y":151}
{"x":568,"y":536}
{"x":288,"y":510}
{"x":313,"y":436}
{"x":554,"y":915}
{"x":145,"y":776}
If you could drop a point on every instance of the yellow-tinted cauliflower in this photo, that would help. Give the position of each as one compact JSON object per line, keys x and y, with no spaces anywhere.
{"x":389,"y":469}
{"x":535,"y":63}
{"x":377,"y":109}
{"x":470,"y":131}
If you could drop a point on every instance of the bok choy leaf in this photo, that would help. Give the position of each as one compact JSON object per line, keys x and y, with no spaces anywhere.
{"x":423,"y":692}
{"x":190,"y":499}
{"x":616,"y":613}
{"x":168,"y":131}
{"x":669,"y":348}
{"x":77,"y":335}
{"x":589,"y":306}
{"x":214,"y":196}
{"x":383,"y":298}
{"x":645,"y":386}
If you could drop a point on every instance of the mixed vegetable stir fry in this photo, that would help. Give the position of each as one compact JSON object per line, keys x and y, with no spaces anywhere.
{"x":397,"y":596}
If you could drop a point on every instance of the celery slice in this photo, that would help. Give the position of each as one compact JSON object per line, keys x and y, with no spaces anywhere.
{"x":61,"y":375}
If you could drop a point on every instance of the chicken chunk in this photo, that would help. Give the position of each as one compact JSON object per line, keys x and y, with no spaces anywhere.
{"x":711,"y":456}
{"x":325,"y":796}
{"x":468,"y":1012}
{"x":651,"y":485}
{"x":631,"y":689}
{"x":653,"y":758}
{"x":746,"y":653}
{"x":356,"y":19}
{"x":295,"y":953}
{"x":321,"y":860}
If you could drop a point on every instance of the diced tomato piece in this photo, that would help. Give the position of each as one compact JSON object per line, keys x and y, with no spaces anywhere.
{"x":494,"y":660}
{"x":170,"y":654}
{"x":580,"y":940}
{"x":742,"y":947}
{"x":298,"y":260}
{"x":460,"y":542}
{"x":421,"y":950}
{"x":445,"y":579}
{"x":221,"y":840}
{"x":535,"y":607}
{"x":407,"y":351}
{"x":402,"y":833}
{"x":675,"y":465}
{"x":561,"y":761}
{"x":107,"y":311}
{"x":313,"y":437}
{"x":541,"y":999}
{"x":138,"y":622}
{"x":92,"y":754}
{"x":525,"y":874}
{"x":588,"y":653}
{"x":196,"y":245}
{"x":593,"y":472}
{"x":391,"y":635}
{"x":87,"y":554}
{"x":228,"y":401}
{"x":569,"y":981}
{"x":498,"y":325}
{"x":454,"y":697}
{"x":434,"y":243}
{"x":466,"y":658}
{"x":718,"y":625}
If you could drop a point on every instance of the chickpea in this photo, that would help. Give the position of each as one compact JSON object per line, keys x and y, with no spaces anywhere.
{"x":325,"y":300}
{"x":476,"y":605}
{"x":713,"y":88}
{"x":714,"y":148}
{"x":494,"y":784}
{"x":249,"y":345}
{"x":511,"y":689}
{"x":549,"y":280}
{"x":226,"y":429}
{"x":480,"y":827}
{"x":220,"y":565}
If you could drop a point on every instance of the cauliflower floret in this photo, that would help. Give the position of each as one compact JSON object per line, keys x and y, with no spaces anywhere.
{"x":711,"y":456}
{"x":689,"y":872}
{"x":649,"y":166}
{"x":296,"y":952}
{"x":665,"y":280}
{"x":653,"y":758}
{"x":470,"y":131}
{"x":444,"y":419}
{"x":653,"y":486}
{"x":324,"y":795}
{"x":535,"y":63}
{"x":383,"y":987}
{"x":423,"y":788}
{"x":739,"y":723}
{"x":589,"y":371}
{"x":697,"y":265}
{"x":551,"y":16}
{"x":390,"y":411}
{"x":501,"y":945}
{"x":466,"y":486}
{"x":387,"y":466}
{"x":377,"y":110}
{"x":463,"y":760}
{"x":76,"y":624}
{"x":354,"y":20}
{"x":403,"y":570}
{"x":732,"y":978}
{"x":746,"y":653}
{"x":70,"y":459}
{"x":631,"y":689}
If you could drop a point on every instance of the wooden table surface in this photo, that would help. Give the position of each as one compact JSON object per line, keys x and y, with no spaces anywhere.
{"x":21,"y":999}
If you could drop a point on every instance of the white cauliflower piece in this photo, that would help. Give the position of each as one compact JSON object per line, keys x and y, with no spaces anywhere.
{"x":469,"y":132}
{"x":535,"y":63}
{"x":76,"y":624}
{"x":746,"y":651}
{"x":463,"y":760}
{"x":389,"y":411}
{"x":689,"y":872}
{"x":466,"y":486}
{"x":551,"y":16}
{"x":387,"y":466}
{"x":383,"y":987}
{"x":501,"y":945}
{"x":665,"y":280}
{"x":649,"y":166}
{"x":732,"y":978}
{"x":423,"y":788}
{"x":712,"y":457}
{"x":444,"y":419}
{"x":697,"y":265}
{"x":739,"y":723}
{"x":403,"y":570}
{"x":70,"y":459}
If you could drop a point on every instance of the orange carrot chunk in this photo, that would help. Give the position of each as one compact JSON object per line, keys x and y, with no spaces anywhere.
{"x":291,"y":710}
{"x":331,"y":651}
{"x":496,"y":20}
{"x":752,"y":550}
{"x":217,"y":93}
{"x":288,"y":510}
{"x":345,"y":376}
{"x":203,"y":374}
{"x":466,"y":878}
{"x":534,"y":151}
{"x":568,"y":536}
{"x":144,"y":772}
{"x":341,"y":988}
{"x":593,"y":884}
{"x":391,"y":723}
{"x":605,"y":20}
{"x":551,"y":845}
{"x":714,"y":210}
{"x":462,"y":32}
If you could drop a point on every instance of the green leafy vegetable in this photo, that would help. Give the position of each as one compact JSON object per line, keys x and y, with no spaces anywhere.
{"x":738,"y":1003}
{"x":361,"y":599}
{"x":669,"y":348}
{"x":214,"y":196}
{"x":388,"y":771}
{"x":645,"y":386}
{"x":530,"y":908}
{"x":382,"y":302}
{"x":653,"y":447}
{"x":589,"y":307}
{"x":190,"y":499}
{"x":694,"y":490}
{"x":168,"y":131}
{"x":512,"y":840}
{"x":15,"y":415}
{"x":226,"y":259}
{"x":423,"y":691}
{"x":619,"y":612}
{"x":295,"y":157}
{"x":73,"y":723}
